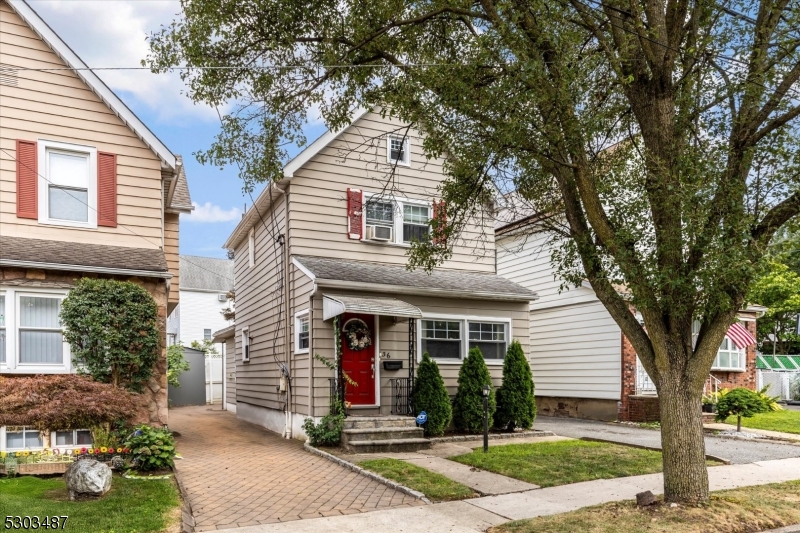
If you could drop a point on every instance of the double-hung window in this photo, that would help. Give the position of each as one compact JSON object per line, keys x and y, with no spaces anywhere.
{"x":397,"y":150}
{"x":729,"y":357}
{"x":416,"y":222}
{"x":490,"y":337}
{"x":409,"y":220}
{"x":442,"y":339}
{"x":301,"y":332}
{"x":68,"y":184}
{"x":31,"y":339}
{"x":380,"y":213}
{"x":206,"y":334}
{"x":450,"y":338}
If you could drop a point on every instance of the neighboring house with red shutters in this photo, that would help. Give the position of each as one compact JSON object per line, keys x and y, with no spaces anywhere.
{"x":323,"y":253}
{"x":86,"y":189}
{"x":582,"y":364}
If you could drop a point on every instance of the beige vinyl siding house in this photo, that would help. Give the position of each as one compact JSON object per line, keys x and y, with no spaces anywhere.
{"x":86,"y":189}
{"x":307,"y":260}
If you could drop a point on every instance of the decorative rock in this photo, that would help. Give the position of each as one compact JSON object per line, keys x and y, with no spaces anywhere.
{"x":643,"y":499}
{"x":87,"y":477}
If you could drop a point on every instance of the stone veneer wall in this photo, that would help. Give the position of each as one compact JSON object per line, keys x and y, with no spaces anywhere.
{"x":155,"y":407}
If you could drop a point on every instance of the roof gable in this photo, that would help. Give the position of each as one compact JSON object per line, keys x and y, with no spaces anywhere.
{"x":106,"y":95}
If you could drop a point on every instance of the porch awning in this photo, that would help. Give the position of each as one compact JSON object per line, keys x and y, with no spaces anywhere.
{"x":335,"y":305}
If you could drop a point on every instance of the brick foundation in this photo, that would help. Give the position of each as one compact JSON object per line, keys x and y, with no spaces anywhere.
{"x":154,"y":409}
{"x":643,"y":408}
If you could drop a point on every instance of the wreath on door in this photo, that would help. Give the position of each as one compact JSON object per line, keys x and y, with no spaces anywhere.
{"x":357,"y":334}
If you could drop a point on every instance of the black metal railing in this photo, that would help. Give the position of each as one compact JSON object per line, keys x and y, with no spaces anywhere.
{"x":332,"y":389}
{"x":401,"y":396}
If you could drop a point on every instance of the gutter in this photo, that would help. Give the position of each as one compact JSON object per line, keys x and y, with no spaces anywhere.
{"x":86,"y":268}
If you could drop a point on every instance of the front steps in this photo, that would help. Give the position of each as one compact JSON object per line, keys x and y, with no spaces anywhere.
{"x":382,"y":434}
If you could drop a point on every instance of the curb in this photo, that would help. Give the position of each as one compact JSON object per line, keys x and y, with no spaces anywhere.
{"x":651,"y":448}
{"x":761,"y":437}
{"x":495,"y":436}
{"x":187,"y":518}
{"x":372,"y":475}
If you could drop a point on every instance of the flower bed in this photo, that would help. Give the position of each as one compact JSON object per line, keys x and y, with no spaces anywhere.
{"x":56,"y":461}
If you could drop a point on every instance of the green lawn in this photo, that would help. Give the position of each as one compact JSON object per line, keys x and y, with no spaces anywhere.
{"x":741,"y":510}
{"x":131,"y":506}
{"x":569,"y":461}
{"x":785,"y":421}
{"x":435,"y":487}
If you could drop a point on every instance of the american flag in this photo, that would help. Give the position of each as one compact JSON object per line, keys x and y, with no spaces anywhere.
{"x":740,"y":336}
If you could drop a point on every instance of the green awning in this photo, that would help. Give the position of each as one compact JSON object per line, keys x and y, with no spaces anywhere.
{"x":778,"y":362}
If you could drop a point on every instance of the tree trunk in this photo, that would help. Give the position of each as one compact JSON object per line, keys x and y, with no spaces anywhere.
{"x":739,"y":424}
{"x":685,"y":473}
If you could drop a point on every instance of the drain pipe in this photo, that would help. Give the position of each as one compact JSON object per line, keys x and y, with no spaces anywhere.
{"x":289,"y":316}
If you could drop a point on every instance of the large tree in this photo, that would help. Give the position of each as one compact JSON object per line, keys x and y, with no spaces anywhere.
{"x":697,"y":99}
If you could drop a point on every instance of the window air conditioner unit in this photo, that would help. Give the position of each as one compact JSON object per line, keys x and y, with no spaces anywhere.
{"x":379,"y":233}
{"x":222,"y":297}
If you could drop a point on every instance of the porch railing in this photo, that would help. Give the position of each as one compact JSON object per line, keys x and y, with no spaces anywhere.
{"x":401,"y":396}
{"x":332,"y":394}
{"x":644,"y":385}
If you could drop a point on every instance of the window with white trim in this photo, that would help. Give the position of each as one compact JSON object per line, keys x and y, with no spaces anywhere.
{"x":490,"y":337}
{"x":408,"y":219}
{"x":31,"y":335}
{"x":245,"y":345}
{"x":729,"y":357}
{"x":67,"y":184}
{"x":251,"y":247}
{"x":207,"y":334}
{"x":441,"y":339}
{"x":22,"y":437}
{"x":397,"y":150}
{"x":75,"y":437}
{"x":302,"y":333}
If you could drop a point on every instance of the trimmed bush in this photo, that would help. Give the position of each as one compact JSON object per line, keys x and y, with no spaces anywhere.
{"x":63,"y":401}
{"x":740,"y":402}
{"x":112,"y":328}
{"x":430,"y":395}
{"x":516,"y":406}
{"x":152,"y":449}
{"x":468,"y":405}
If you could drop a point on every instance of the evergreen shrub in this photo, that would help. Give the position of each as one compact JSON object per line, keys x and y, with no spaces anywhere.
{"x":468,"y":405}
{"x":516,"y":406}
{"x":430,"y":395}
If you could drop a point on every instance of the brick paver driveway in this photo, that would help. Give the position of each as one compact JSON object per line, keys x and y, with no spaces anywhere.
{"x":240,"y":474}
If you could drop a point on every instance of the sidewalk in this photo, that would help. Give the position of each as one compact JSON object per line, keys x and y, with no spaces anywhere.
{"x":765,"y":432}
{"x":478,"y":514}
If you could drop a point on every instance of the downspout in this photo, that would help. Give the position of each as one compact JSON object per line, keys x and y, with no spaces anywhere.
{"x":289,"y":316}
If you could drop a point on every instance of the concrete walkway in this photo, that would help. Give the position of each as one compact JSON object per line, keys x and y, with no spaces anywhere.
{"x":478,"y":514}
{"x":765,"y":432}
{"x":736,"y":450}
{"x":236,"y":474}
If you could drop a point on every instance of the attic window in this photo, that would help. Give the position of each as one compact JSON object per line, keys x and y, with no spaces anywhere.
{"x":8,"y":75}
{"x":397,"y":150}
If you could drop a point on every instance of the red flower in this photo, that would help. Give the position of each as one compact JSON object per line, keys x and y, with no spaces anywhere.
{"x":83,"y":450}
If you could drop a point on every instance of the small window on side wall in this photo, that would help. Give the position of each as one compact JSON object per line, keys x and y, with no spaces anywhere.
{"x":207,"y":334}
{"x":251,"y":248}
{"x":397,"y":150}
{"x":302,"y":336}
{"x":245,"y":345}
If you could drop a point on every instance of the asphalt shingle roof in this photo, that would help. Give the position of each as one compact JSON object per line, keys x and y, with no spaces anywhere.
{"x":442,"y":280}
{"x":206,"y":273}
{"x":81,"y":254}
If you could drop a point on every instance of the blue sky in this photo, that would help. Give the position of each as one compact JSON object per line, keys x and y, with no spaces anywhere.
{"x":111,"y":33}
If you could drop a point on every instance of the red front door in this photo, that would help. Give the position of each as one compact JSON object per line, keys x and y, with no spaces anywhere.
{"x":359,"y":364}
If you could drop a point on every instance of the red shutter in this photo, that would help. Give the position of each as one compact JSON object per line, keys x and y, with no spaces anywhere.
{"x":355,"y":213}
{"x":106,"y":189}
{"x":27,"y":180}
{"x":440,"y":216}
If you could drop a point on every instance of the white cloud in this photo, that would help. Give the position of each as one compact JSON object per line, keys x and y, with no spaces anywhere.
{"x":112,"y":33}
{"x":212,"y":213}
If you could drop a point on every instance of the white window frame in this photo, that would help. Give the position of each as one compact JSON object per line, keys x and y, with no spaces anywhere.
{"x":251,"y":247}
{"x":465,"y":320}
{"x":298,"y":318}
{"x":207,"y":336}
{"x":245,"y":340}
{"x":74,"y":438}
{"x":397,"y":221}
{"x":742,"y":358}
{"x":43,"y":147}
{"x":4,"y":444}
{"x":12,"y":364}
{"x":405,"y":139}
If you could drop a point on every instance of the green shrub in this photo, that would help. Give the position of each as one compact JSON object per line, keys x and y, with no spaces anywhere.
{"x":329,"y":430}
{"x":430,"y":395}
{"x":516,"y":406}
{"x":468,"y":405}
{"x":770,"y":401}
{"x":740,"y":403}
{"x":176,"y":364}
{"x":152,"y":449}
{"x":112,"y":328}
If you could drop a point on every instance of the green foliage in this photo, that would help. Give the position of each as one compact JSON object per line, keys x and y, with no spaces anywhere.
{"x":176,"y":364}
{"x":740,"y":402}
{"x":152,"y":449}
{"x":516,"y":406}
{"x":112,"y":328}
{"x":430,"y":395}
{"x":435,"y":487}
{"x":63,"y":401}
{"x":770,"y":401}
{"x":468,"y":404}
{"x":328,"y":363}
{"x":779,"y":290}
{"x":328,"y":432}
{"x":205,"y":346}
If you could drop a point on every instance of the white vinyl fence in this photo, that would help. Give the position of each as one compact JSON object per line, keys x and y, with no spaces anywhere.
{"x":214,"y":378}
{"x":781,"y":383}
